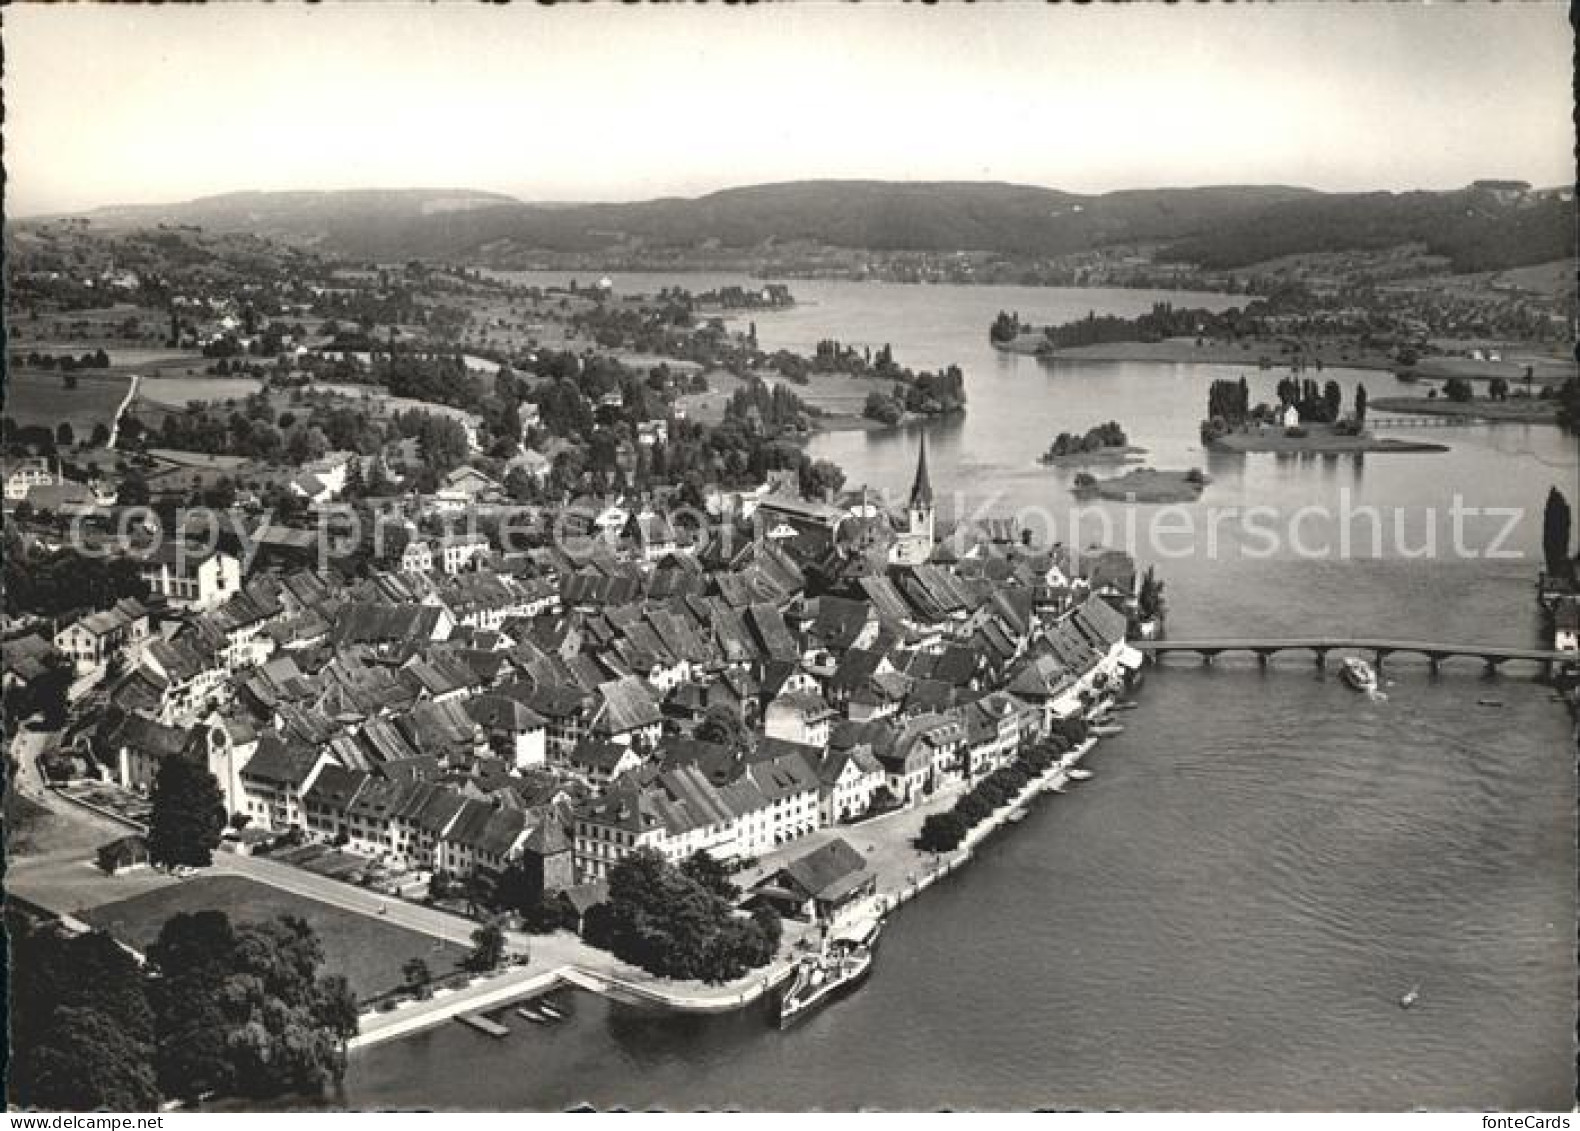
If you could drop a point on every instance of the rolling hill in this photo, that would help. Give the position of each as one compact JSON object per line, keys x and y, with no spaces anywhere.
{"x":1221,"y":226}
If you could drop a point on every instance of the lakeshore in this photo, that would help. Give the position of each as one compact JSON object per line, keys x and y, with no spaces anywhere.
{"x":902,"y":873}
{"x":1515,"y":410}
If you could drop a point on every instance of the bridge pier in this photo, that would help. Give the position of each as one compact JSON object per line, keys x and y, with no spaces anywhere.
{"x":1434,"y":663}
{"x":1261,"y":657}
{"x":1492,"y":664}
{"x":1322,"y":658}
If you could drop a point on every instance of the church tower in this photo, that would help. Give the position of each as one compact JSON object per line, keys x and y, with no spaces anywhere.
{"x":921,"y":510}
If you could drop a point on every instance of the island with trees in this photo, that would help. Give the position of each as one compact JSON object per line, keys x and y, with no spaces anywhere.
{"x":1307,"y":419}
{"x":1143,"y":485}
{"x":1106,"y":443}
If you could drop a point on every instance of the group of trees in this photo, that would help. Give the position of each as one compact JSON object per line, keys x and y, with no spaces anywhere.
{"x":943,"y":832}
{"x":219,"y":1008}
{"x":1316,"y":405}
{"x":1006,"y":327}
{"x":1109,"y":435}
{"x":98,"y":359}
{"x":1458,"y":390}
{"x":57,"y":583}
{"x":679,"y":922}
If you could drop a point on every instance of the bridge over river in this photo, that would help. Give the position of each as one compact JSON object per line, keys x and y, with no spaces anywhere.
{"x":1493,"y":657}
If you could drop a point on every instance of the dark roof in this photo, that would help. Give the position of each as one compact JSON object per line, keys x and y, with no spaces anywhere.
{"x":827,"y":871}
{"x":279,"y":762}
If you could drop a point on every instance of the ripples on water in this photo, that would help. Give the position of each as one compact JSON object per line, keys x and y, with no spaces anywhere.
{"x":1227,"y":915}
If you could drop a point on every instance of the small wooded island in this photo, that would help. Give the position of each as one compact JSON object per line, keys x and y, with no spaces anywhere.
{"x":1106,"y":443}
{"x":1144,"y":485}
{"x":1307,"y":420}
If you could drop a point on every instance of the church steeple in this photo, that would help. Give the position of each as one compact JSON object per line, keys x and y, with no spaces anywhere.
{"x":922,"y":488}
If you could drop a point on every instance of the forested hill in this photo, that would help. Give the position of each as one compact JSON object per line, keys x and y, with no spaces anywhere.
{"x":1225,"y":226}
{"x":1476,"y":230}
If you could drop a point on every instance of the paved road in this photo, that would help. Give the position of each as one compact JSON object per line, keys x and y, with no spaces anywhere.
{"x":55,"y":866}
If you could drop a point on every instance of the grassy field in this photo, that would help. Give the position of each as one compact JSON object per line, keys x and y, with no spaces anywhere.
{"x":35,"y":397}
{"x":177,"y":391}
{"x":368,"y":951}
{"x":1525,"y":410}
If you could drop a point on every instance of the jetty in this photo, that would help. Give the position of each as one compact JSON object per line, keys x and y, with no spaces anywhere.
{"x":1492,"y":657}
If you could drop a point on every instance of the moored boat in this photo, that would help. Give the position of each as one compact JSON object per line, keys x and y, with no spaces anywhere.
{"x":1359,"y":674}
{"x":532,"y":1015}
{"x":840,"y":966}
{"x":1078,"y":774}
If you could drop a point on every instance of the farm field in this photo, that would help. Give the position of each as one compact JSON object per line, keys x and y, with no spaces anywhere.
{"x":33,"y":397}
{"x":369,"y":952}
{"x":177,"y":391}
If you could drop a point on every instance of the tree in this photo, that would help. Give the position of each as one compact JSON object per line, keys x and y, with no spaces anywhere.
{"x":723,"y":727}
{"x":188,"y":814}
{"x":1569,"y":405}
{"x":65,"y":436}
{"x":243,"y":1010}
{"x":707,"y":870}
{"x":133,"y":491}
{"x":1360,"y":406}
{"x":488,"y":948}
{"x":101,"y":435}
{"x":416,"y":975}
{"x":1556,"y":520}
{"x":1458,"y":390}
{"x":81,"y":1027}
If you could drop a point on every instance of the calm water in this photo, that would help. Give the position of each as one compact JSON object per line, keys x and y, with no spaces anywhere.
{"x":1227,"y":915}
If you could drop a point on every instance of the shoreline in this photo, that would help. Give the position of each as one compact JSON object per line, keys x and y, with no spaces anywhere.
{"x":1250,"y":443}
{"x":1512,"y":411}
{"x":500,"y":991}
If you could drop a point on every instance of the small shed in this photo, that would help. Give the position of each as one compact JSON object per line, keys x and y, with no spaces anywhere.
{"x":124,"y":854}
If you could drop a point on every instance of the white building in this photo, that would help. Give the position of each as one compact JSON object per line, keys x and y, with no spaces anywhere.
{"x":191,"y":577}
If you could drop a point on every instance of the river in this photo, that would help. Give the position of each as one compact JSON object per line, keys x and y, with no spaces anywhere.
{"x":1226,"y":916}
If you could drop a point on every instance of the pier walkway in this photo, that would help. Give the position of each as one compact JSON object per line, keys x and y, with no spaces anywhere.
{"x":1492,"y":657}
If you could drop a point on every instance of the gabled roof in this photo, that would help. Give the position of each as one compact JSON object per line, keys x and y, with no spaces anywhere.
{"x":627,"y":706}
{"x":827,"y":872}
{"x":279,"y":762}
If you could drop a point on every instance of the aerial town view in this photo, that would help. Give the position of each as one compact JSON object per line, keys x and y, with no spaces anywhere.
{"x":877,"y":558}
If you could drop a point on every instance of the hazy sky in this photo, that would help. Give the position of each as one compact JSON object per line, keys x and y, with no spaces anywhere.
{"x":106,"y":104}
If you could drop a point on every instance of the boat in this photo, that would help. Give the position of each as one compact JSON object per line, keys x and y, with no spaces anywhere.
{"x":550,"y":1010}
{"x":840,"y":966}
{"x":1078,"y":774}
{"x":1489,"y":702}
{"x":1411,"y":996}
{"x":1016,"y":816}
{"x":1104,"y":730}
{"x":483,"y":1024}
{"x":1359,"y":675}
{"x":1126,"y":705}
{"x":531,"y":1015}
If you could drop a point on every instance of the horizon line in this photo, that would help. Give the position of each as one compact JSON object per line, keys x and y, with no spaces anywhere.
{"x":510,"y":198}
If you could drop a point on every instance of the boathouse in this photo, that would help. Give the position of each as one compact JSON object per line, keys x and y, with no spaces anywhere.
{"x":816,"y":886}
